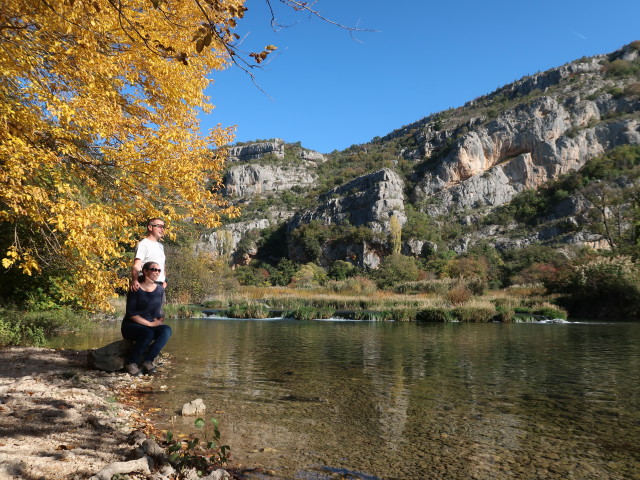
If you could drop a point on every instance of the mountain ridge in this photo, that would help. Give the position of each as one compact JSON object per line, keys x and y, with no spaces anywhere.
{"x":455,"y":167}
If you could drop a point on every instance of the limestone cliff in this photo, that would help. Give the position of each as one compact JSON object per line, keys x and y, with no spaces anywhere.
{"x":249,"y":180}
{"x":369,"y":201}
{"x":525,"y":147}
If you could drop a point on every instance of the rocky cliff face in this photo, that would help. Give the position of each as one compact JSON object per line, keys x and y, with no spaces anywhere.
{"x":525,"y":147}
{"x":249,"y":180}
{"x":223,"y":242}
{"x":369,"y":201}
{"x":255,"y":151}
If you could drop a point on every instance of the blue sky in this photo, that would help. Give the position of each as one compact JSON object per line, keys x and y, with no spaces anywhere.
{"x":329,"y":91}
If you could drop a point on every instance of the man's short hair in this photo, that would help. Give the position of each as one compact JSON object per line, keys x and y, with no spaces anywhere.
{"x":151,"y":220}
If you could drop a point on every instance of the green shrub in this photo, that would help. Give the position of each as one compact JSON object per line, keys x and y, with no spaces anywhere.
{"x":632,"y":89}
{"x":400,"y":315}
{"x":252,"y":275}
{"x":552,"y":312}
{"x":309,"y":275}
{"x":621,"y":68}
{"x":603,"y":287}
{"x":173,"y":311}
{"x":340,"y":270}
{"x":505,"y":316}
{"x":395,"y":269}
{"x":216,"y":303}
{"x":16,"y":331}
{"x":435,"y":314}
{"x":193,"y":277}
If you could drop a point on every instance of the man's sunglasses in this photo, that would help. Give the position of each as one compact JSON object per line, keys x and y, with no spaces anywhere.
{"x":157,"y":226}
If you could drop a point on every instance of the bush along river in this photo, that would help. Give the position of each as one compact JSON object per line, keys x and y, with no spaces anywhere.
{"x":385,"y":400}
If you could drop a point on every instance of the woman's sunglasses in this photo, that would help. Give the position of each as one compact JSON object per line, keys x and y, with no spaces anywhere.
{"x":154,"y":270}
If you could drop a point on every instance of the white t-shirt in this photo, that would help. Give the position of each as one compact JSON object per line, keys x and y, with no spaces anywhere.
{"x":150,"y":251}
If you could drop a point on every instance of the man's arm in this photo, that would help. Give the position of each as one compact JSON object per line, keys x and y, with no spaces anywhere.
{"x":135,"y":272}
{"x":164,"y":284}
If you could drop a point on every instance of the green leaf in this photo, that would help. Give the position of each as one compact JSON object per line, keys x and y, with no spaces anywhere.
{"x":169,"y":436}
{"x":214,"y":420}
{"x":174,"y":456}
{"x":199,"y":423}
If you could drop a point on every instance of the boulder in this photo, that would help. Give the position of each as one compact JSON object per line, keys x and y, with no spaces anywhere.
{"x":110,"y":358}
{"x":194,"y":407}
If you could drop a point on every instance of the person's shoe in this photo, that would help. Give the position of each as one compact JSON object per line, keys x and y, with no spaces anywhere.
{"x":132,"y":369}
{"x":148,"y":367}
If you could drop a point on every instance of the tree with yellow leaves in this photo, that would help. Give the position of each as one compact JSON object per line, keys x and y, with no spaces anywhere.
{"x":395,"y":235}
{"x":99,"y":130}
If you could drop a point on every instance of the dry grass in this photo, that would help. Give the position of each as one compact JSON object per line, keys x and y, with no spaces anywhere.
{"x":388,"y":303}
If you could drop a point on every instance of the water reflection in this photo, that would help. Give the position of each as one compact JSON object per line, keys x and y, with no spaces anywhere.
{"x":408,"y":401}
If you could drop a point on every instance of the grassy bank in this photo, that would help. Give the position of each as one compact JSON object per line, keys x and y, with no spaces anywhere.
{"x":505,"y":305}
{"x":32,"y":328}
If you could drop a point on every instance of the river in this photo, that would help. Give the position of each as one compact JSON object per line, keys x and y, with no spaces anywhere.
{"x":376,"y":400}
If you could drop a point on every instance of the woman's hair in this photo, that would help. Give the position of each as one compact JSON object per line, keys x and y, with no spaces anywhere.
{"x":146,"y":266}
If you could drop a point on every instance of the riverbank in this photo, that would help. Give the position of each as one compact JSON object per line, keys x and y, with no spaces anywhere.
{"x":58,"y":418}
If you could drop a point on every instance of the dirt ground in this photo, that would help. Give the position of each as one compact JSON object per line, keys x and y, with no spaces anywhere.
{"x":59,"y":419}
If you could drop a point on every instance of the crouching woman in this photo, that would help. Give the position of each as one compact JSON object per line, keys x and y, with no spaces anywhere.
{"x":144,"y":322}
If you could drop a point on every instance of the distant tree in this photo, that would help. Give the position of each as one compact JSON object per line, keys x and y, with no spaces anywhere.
{"x":340,"y":270}
{"x":395,"y":269}
{"x":395,"y":234}
{"x":308,"y":276}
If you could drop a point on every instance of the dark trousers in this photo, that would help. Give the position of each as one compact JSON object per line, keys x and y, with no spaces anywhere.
{"x":147,"y":340}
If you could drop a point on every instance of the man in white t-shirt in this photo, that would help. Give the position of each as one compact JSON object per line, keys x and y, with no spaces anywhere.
{"x":150,"y":250}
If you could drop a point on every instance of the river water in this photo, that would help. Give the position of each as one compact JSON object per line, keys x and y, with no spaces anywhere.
{"x":316,"y":400}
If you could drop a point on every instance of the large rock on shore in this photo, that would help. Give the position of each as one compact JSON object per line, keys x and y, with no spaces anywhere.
{"x":110,"y":358}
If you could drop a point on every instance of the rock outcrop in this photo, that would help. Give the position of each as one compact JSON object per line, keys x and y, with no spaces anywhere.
{"x":224,"y":241}
{"x":249,"y":180}
{"x":370,"y":200}
{"x":254,"y":151}
{"x":523,"y":148}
